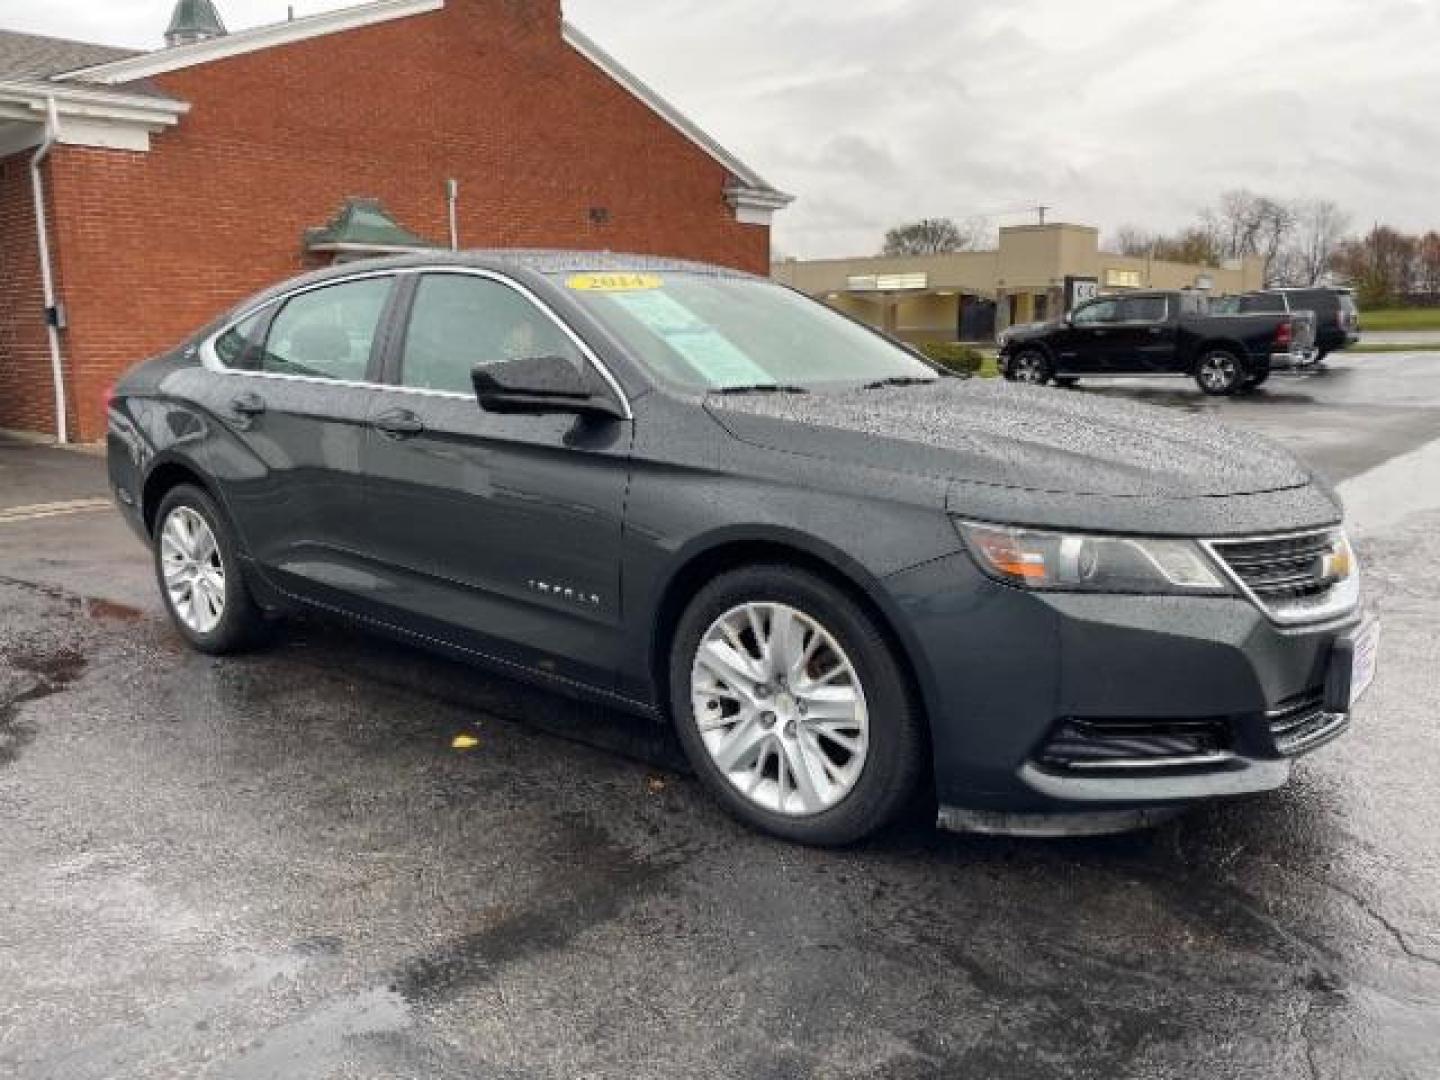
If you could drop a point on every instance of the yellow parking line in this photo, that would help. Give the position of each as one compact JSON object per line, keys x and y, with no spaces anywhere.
{"x":38,"y":511}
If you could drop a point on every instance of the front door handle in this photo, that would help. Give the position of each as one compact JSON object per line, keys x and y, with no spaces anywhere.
{"x":249,"y":405}
{"x":400,"y":424}
{"x":1156,"y":331}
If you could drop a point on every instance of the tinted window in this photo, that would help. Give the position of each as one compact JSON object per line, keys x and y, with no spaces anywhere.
{"x":240,"y":346}
{"x":1320,"y":301}
{"x":328,"y":333}
{"x":1262,"y":305}
{"x":1143,"y":309}
{"x":1103,"y":311}
{"x":460,"y":321}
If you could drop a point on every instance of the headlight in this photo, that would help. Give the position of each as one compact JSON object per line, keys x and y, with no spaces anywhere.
{"x":1076,"y":562}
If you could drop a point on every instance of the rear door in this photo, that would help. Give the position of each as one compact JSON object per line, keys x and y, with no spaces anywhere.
{"x":1144,"y":337}
{"x":294,"y":387}
{"x":501,"y":533}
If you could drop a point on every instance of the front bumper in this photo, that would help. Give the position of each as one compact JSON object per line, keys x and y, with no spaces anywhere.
{"x":1068,"y":713}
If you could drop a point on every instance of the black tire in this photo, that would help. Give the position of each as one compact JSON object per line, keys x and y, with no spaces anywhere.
{"x":242,"y":625}
{"x":1066,"y":382}
{"x":896,"y":754}
{"x":1029,"y":366}
{"x":1219,"y":372}
{"x":1260,"y":378}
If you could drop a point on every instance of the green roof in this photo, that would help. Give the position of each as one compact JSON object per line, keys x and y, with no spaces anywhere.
{"x":194,"y":20}
{"x":363,"y":223}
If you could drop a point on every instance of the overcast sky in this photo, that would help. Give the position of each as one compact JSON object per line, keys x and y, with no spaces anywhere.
{"x":1111,"y":112}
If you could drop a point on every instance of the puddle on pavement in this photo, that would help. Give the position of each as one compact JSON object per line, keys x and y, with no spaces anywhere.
{"x":50,"y":674}
{"x":593,"y":882}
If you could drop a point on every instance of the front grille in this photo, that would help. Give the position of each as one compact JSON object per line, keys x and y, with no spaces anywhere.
{"x":1128,"y":745}
{"x":1291,"y":577}
{"x":1287,"y":568}
{"x":1303,"y":724}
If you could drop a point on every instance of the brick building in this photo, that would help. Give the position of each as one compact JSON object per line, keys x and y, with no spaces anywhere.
{"x":175,"y":182}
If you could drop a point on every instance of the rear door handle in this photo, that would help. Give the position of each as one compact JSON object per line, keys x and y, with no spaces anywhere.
{"x":248,"y":405}
{"x":400,"y":424}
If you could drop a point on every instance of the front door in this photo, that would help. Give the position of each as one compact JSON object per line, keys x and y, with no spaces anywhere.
{"x":294,"y":391}
{"x":499,"y":532}
{"x":1085,"y":347}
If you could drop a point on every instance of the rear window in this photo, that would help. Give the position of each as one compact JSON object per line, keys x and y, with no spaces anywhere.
{"x":1262,"y":305}
{"x":1320,"y":301}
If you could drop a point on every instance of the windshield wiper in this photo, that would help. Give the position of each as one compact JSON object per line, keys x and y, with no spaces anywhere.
{"x":761,"y":388}
{"x":899,"y":380}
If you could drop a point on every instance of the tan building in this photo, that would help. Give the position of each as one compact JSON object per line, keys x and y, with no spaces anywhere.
{"x":1035,"y":273}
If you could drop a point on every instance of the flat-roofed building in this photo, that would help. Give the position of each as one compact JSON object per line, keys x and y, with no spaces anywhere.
{"x":1035,"y":273}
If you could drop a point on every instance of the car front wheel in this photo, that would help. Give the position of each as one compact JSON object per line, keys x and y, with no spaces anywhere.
{"x":200,"y":577}
{"x":1029,"y":366}
{"x":1219,"y":373}
{"x":792,"y":707}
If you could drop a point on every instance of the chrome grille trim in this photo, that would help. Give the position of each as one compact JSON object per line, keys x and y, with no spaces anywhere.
{"x":1268,"y":572}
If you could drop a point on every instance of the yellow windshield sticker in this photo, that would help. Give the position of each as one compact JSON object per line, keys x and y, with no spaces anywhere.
{"x":616,"y":282}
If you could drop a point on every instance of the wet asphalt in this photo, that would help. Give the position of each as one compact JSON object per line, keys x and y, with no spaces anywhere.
{"x":278,"y":866}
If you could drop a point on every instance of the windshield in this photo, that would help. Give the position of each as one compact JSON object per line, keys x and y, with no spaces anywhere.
{"x":713,"y":334}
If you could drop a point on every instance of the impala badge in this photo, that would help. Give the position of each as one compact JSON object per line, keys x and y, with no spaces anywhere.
{"x":564,"y":592}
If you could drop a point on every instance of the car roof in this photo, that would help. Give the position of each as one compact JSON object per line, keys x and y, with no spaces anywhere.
{"x":509,"y":261}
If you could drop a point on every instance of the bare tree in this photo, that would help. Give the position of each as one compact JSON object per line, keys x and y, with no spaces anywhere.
{"x":1320,"y":227}
{"x":1133,"y":240}
{"x":932,"y":236}
{"x":1195,"y":245}
{"x":1427,"y":269}
{"x":1382,"y":266}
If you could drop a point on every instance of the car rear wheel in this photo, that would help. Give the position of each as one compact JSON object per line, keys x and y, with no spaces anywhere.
{"x":200,"y":576}
{"x":792,"y":707}
{"x":1029,"y":366}
{"x":1219,"y":373}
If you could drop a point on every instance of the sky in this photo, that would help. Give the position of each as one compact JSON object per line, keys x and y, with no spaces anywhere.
{"x":1111,"y":112}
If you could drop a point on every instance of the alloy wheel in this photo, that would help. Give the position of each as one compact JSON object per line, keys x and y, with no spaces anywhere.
{"x":780,"y":709}
{"x":1028,"y":368}
{"x":194,"y":571}
{"x":1218,"y":372}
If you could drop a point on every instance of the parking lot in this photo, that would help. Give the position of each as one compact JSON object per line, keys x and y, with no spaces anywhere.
{"x":281,"y":866}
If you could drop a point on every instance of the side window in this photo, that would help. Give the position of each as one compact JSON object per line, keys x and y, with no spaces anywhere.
{"x":328,"y":333}
{"x":1143,"y":309}
{"x":1102,"y":311}
{"x":240,"y":346}
{"x":460,"y":321}
{"x":1262,"y":305}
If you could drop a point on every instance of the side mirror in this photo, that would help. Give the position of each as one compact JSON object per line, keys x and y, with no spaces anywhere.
{"x":542,"y":384}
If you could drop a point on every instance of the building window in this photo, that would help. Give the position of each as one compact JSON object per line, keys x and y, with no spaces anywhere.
{"x":1122,"y":279}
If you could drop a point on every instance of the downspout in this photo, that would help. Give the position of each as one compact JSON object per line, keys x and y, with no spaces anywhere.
{"x":47,"y":272}
{"x":452,"y":200}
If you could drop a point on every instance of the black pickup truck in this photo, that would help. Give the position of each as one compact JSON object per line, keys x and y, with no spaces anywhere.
{"x":1159,"y":333}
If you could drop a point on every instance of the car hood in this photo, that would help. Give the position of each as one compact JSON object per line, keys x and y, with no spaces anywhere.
{"x":1017,"y":437}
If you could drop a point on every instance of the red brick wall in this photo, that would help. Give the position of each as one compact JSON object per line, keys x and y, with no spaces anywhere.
{"x":27,"y":399}
{"x":485,"y":91}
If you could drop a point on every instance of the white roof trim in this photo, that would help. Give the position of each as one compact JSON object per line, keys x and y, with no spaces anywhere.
{"x":140,"y":109}
{"x":747,"y":177}
{"x":162,"y":61}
